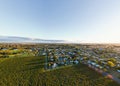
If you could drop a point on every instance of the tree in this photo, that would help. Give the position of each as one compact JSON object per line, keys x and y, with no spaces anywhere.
{"x":113,"y":60}
{"x":111,"y":64}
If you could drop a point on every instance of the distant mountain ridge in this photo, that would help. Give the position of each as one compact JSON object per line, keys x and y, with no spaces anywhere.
{"x":15,"y":39}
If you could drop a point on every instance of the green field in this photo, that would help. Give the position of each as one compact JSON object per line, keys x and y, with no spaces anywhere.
{"x":29,"y":71}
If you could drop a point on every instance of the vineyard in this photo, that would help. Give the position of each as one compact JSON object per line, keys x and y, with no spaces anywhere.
{"x":29,"y":71}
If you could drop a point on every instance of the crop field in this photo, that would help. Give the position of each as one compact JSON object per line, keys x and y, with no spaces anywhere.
{"x":29,"y":71}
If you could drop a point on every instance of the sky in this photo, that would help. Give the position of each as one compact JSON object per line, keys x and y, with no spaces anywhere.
{"x":81,"y":20}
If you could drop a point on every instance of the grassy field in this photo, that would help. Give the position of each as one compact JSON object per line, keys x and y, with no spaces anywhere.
{"x":29,"y":71}
{"x":19,"y":71}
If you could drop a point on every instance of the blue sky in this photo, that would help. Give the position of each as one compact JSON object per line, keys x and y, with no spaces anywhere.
{"x":84,"y":20}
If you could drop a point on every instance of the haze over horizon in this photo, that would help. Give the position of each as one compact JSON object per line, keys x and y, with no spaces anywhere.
{"x":83,"y":20}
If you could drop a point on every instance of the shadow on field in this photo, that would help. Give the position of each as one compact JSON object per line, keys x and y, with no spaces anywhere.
{"x":35,"y":64}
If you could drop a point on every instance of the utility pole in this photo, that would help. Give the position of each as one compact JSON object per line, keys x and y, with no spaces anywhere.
{"x":46,"y":59}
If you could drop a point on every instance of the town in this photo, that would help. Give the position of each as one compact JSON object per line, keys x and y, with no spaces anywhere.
{"x":103,"y":57}
{"x":40,"y":60}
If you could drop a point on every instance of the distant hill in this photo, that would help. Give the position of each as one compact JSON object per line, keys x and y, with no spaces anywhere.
{"x":14,"y":39}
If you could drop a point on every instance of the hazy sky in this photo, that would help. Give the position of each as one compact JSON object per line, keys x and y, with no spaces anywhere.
{"x":84,"y":20}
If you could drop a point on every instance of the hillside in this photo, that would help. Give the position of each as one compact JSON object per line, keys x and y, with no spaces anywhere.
{"x":28,"y":71}
{"x":15,"y":39}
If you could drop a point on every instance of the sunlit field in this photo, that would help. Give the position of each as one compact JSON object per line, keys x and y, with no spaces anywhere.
{"x":29,"y":71}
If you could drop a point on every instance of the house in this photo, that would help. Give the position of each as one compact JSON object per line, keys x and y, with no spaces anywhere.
{"x":44,"y":54}
{"x":54,"y":65}
{"x":76,"y":61}
{"x":118,"y":71}
{"x":71,"y":62}
{"x":4,"y":49}
{"x":89,"y":62}
{"x":93,"y":63}
{"x":81,"y":59}
{"x":97,"y":65}
{"x":118,"y":65}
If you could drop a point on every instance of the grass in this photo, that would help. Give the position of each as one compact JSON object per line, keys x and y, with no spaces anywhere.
{"x":3,"y":59}
{"x":77,"y":75}
{"x":19,"y":71}
{"x":28,"y":71}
